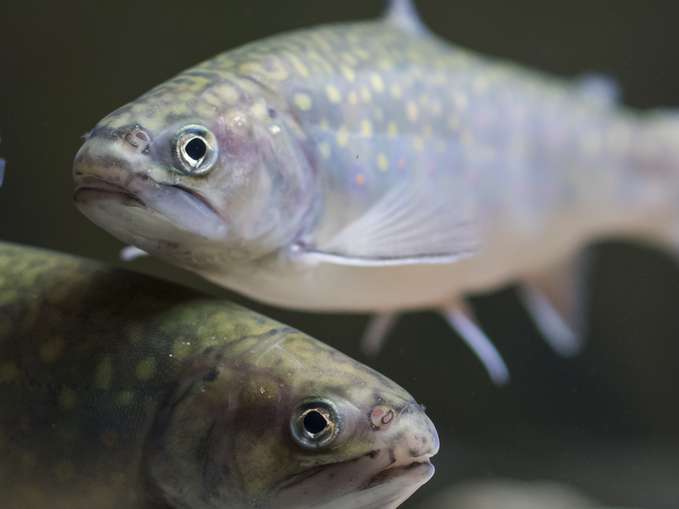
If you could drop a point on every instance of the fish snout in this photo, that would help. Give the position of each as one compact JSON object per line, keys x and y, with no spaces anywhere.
{"x":418,"y":437}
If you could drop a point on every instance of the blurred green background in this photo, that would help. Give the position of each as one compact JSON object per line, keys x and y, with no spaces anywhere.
{"x":606,"y":421}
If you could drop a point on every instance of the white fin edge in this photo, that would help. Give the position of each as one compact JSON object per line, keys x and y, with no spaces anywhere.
{"x":130,"y":253}
{"x":462,"y":322}
{"x":315,"y":256}
{"x":557,"y":334}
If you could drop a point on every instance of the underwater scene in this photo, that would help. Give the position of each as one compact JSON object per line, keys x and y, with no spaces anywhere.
{"x":379,"y":254}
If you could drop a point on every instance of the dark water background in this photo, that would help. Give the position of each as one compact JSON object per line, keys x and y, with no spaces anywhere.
{"x":607,"y":421}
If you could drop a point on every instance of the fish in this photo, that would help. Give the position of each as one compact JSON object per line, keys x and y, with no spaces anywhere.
{"x":120,"y":390}
{"x":374,"y":167}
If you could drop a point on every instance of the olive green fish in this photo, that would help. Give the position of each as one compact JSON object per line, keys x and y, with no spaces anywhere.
{"x":121,"y":391}
{"x":373,"y":167}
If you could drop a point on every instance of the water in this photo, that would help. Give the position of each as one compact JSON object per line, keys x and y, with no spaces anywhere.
{"x":606,"y":422}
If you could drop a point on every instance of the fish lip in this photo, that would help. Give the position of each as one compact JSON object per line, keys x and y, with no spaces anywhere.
{"x":394,"y":472}
{"x":102,"y":185}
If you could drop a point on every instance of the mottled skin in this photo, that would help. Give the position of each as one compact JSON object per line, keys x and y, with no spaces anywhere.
{"x":374,"y":167}
{"x":118,"y":390}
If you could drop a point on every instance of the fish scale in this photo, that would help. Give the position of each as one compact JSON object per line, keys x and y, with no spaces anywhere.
{"x":374,"y":167}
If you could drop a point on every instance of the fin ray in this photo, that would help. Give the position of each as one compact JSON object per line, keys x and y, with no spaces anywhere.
{"x":411,"y":223}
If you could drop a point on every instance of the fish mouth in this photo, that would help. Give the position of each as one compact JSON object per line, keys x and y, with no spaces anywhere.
{"x":87,"y":184}
{"x":358,"y":482}
{"x":417,"y":469}
{"x":94,"y":187}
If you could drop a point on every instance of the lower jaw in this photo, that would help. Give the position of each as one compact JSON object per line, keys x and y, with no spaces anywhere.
{"x":414,"y":471}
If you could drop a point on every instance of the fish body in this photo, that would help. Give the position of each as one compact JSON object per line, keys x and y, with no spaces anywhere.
{"x":118,"y":390}
{"x":374,"y":167}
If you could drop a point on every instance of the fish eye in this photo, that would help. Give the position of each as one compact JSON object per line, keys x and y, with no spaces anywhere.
{"x":195,"y":150}
{"x":315,"y":424}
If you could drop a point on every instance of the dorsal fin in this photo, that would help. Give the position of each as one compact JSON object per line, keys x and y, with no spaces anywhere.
{"x":403,"y":14}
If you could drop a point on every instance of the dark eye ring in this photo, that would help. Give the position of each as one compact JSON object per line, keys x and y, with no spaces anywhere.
{"x":195,"y":150}
{"x":315,"y":424}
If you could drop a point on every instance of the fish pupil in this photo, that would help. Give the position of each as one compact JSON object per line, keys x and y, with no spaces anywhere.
{"x":314,"y":422}
{"x":196,"y":149}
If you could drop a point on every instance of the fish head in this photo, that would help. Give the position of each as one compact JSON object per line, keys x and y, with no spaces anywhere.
{"x":289,"y":422}
{"x":201,"y":183}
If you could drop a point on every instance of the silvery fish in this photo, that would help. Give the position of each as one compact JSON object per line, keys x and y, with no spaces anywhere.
{"x":122,"y":391}
{"x":374,"y":167}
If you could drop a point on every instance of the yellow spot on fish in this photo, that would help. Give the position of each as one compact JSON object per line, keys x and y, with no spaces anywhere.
{"x":334,"y":95}
{"x":342,"y":136}
{"x":365,"y":94}
{"x":303,"y":101}
{"x":459,"y":101}
{"x":418,"y":143}
{"x":259,"y":110}
{"x":395,"y":91}
{"x":411,"y":111}
{"x":8,"y":372}
{"x":360,"y":179}
{"x":51,"y":349}
{"x":353,"y":98}
{"x":366,"y":129}
{"x":67,"y":398}
{"x":146,"y":368}
{"x":348,"y":73}
{"x":377,"y":83}
{"x":392,"y":130}
{"x":299,"y":66}
{"x":324,"y":125}
{"x":382,"y":162}
{"x":124,"y":398}
{"x":103,"y":376}
{"x":275,"y":71}
{"x":385,"y":64}
{"x":228,"y":93}
{"x":454,"y":123}
{"x":362,"y":54}
{"x":181,"y":349}
{"x":324,"y":149}
{"x":480,"y":84}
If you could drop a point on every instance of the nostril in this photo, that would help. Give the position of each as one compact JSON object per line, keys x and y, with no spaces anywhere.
{"x":137,"y":137}
{"x":381,"y":416}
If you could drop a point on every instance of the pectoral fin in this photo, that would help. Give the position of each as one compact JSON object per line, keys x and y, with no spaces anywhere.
{"x":414,"y":223}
